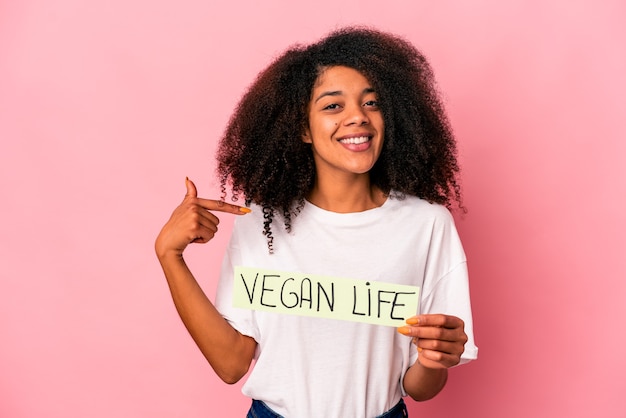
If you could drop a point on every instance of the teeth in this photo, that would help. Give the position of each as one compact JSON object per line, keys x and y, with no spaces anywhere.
{"x":358,"y":140}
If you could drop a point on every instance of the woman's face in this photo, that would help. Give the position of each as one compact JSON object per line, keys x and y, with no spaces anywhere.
{"x":346,"y":128}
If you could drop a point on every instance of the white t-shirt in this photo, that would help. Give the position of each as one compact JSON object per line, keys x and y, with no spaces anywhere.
{"x":316,"y":367}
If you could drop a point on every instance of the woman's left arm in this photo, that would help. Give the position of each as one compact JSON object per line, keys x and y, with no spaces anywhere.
{"x":440,"y":341}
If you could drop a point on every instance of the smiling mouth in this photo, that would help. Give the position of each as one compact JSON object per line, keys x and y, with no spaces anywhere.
{"x":355,"y":140}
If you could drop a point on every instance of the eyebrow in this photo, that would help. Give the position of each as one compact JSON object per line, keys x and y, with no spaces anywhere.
{"x":339,"y":93}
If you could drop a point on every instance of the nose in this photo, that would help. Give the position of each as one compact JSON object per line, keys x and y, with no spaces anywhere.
{"x":356,"y":116}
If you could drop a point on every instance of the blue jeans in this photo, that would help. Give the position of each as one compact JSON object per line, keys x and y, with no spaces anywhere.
{"x":260,"y":410}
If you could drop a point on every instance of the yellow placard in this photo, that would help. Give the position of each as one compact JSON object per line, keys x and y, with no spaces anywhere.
{"x":319,"y":296}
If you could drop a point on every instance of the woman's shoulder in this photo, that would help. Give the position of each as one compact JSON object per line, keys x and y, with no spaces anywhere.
{"x":416,"y":206}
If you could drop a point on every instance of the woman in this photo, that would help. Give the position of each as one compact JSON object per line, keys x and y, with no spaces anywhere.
{"x":346,"y":161}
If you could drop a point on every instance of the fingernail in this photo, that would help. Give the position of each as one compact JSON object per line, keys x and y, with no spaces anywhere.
{"x":419,"y":349}
{"x":245,"y":210}
{"x":404,"y":330}
{"x":413,"y":321}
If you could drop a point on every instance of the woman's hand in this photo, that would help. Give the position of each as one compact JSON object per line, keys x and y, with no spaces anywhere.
{"x":440,"y":339}
{"x":191,"y":222}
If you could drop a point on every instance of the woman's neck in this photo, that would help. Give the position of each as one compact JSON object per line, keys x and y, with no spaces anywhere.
{"x":356,"y":195}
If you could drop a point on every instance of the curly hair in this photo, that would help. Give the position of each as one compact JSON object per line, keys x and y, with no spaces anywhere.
{"x":263,"y":157}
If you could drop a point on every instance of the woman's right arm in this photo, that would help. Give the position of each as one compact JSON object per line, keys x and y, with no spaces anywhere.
{"x":229,"y":352}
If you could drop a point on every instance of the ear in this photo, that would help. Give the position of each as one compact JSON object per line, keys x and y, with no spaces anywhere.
{"x":306,"y":136}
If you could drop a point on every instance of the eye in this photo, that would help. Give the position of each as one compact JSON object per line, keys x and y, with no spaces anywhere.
{"x":332,"y":106}
{"x":371,"y":103}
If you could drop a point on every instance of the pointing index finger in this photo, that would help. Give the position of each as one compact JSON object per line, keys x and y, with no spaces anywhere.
{"x":221,"y":206}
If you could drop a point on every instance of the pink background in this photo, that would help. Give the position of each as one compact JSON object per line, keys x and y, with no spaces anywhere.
{"x":105,"y":107}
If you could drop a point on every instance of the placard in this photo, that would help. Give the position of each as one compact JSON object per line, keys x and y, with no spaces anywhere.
{"x":372,"y":302}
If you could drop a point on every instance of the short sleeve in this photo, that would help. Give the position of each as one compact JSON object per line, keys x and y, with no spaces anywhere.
{"x":243,"y":320}
{"x":450,"y":295}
